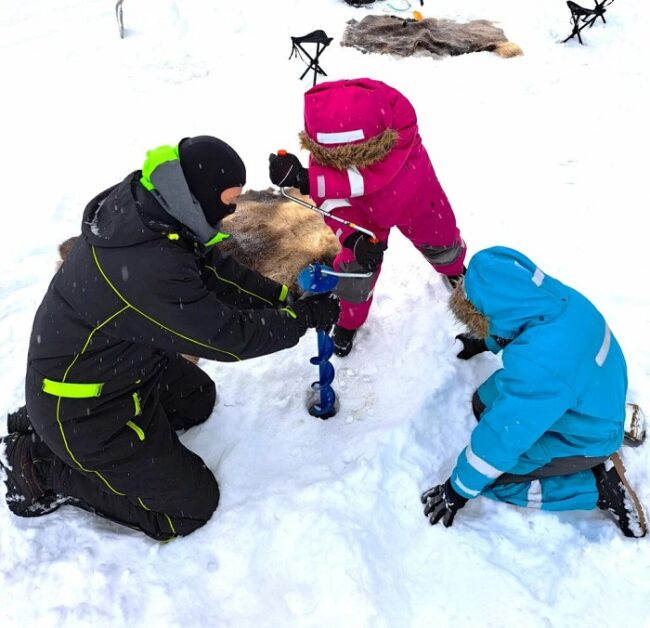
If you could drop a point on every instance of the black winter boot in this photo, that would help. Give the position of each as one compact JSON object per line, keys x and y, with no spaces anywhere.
{"x":18,"y":421}
{"x":26,"y":471}
{"x":343,"y":340}
{"x":616,"y":497}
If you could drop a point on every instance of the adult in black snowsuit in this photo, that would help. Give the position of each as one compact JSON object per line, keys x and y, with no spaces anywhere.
{"x":106,"y":387}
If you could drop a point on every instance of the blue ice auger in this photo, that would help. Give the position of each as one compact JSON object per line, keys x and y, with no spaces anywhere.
{"x":320,"y":278}
{"x":323,"y":403}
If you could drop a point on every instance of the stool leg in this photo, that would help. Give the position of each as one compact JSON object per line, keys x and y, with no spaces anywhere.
{"x":316,"y":63}
{"x":302,"y":76}
{"x":578,"y":33}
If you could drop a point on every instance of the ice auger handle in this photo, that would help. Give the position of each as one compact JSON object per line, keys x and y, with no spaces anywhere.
{"x":322,"y":212}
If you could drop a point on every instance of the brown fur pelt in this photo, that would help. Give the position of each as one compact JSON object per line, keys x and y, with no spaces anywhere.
{"x":277,"y":237}
{"x":64,"y":248}
{"x":477,"y":323}
{"x":272,"y":235}
{"x":389,"y":34}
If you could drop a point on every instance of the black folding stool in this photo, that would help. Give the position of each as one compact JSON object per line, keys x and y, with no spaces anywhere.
{"x":321,"y":40}
{"x":582,"y":17}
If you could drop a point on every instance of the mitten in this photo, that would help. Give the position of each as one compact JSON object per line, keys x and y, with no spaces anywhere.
{"x":286,"y":171}
{"x":367,"y":253}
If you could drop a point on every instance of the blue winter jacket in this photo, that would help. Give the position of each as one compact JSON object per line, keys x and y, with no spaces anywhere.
{"x":561,"y":391}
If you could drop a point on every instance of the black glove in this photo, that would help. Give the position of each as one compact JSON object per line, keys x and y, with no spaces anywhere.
{"x":442,"y":502}
{"x":287,"y":171}
{"x":317,"y":310}
{"x":368,"y":254}
{"x":471,"y":346}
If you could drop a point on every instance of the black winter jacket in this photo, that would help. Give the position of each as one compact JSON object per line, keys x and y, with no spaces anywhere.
{"x":135,"y":288}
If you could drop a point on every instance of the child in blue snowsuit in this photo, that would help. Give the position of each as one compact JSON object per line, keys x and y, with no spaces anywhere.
{"x":551,"y":419}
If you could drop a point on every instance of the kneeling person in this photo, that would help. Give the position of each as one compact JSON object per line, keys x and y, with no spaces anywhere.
{"x":106,"y":388}
{"x":551,"y":420}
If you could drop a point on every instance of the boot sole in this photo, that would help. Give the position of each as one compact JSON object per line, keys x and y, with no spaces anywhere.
{"x":635,"y":424}
{"x":37,"y":508}
{"x":18,"y":422}
{"x":640,"y":512}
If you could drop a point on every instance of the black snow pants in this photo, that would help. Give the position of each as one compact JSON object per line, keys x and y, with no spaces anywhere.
{"x":154,"y":484}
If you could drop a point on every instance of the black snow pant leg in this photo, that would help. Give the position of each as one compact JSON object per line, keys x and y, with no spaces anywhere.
{"x":477,"y":406}
{"x":187,"y":393}
{"x":162,"y":488}
{"x":555,"y":467}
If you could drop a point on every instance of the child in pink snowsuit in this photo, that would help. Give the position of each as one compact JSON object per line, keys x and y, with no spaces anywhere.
{"x":368,"y":166}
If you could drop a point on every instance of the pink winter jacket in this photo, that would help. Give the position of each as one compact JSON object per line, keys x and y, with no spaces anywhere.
{"x":367,"y":160}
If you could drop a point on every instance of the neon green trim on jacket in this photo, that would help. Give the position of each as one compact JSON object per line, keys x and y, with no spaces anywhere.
{"x":153,"y":320}
{"x":169,"y":521}
{"x":58,"y":405}
{"x":136,"y":403}
{"x":232,"y":283}
{"x":218,"y":238}
{"x":71,"y":390}
{"x":155,"y":157}
{"x":137,"y":429}
{"x":133,"y":426}
{"x":283,"y":293}
{"x":289,"y":311}
{"x":173,"y":236}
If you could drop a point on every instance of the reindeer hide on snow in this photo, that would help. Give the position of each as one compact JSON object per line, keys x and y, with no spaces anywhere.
{"x":272,"y":235}
{"x":277,"y":237}
{"x":389,"y":34}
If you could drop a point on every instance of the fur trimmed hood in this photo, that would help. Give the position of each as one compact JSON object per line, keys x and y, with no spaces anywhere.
{"x":504,"y":292}
{"x":359,"y":154}
{"x":354,"y":123}
{"x":478,"y":325}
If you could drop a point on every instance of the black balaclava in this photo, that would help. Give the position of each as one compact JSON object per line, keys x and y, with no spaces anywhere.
{"x":210,"y":166}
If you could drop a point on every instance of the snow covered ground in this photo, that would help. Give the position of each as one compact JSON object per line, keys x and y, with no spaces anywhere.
{"x":320,"y":522}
